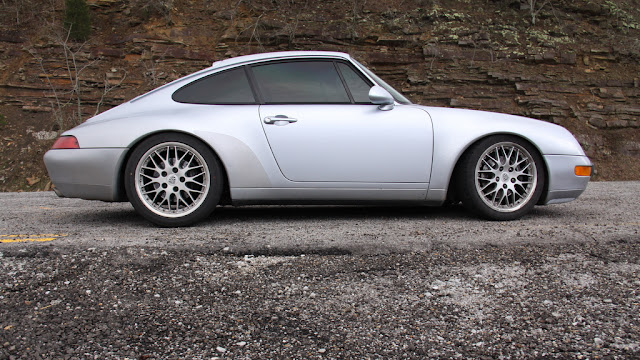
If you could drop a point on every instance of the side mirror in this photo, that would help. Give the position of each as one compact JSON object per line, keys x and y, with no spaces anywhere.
{"x":379,"y":96}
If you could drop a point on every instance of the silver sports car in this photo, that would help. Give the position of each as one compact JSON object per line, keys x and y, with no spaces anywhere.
{"x":308,"y":128}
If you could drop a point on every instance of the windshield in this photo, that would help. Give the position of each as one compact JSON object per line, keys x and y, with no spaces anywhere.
{"x":396,"y":95}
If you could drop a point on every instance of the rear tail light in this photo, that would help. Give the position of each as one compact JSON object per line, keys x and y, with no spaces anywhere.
{"x":66,"y":142}
{"x":583,"y":170}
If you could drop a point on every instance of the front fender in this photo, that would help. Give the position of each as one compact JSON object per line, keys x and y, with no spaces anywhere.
{"x":455,"y":130}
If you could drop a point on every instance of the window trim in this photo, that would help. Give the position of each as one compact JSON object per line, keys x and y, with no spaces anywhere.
{"x":344,"y":83}
{"x":357,"y":72}
{"x":397,"y":96}
{"x":257,"y":93}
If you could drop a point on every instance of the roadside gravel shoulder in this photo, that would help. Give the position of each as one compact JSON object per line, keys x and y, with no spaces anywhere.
{"x":518,"y":302}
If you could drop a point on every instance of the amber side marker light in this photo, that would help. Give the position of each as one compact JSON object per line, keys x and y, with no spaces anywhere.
{"x":66,"y":142}
{"x":583,"y":170}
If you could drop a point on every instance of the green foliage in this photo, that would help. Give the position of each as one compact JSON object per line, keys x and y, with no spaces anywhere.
{"x":146,"y":9}
{"x":625,"y":20}
{"x":77,"y":20}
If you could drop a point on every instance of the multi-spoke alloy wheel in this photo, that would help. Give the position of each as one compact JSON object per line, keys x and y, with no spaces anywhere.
{"x":506,"y":176}
{"x":501,"y":178}
{"x":173,"y":180}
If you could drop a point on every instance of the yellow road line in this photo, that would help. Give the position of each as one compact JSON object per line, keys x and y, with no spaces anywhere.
{"x":13,"y":238}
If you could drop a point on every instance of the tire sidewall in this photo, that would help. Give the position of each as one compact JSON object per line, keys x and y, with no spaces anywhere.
{"x":467,"y":177}
{"x":215,"y":186}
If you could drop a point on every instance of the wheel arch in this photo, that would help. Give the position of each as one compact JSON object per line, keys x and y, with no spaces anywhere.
{"x":125,"y":159}
{"x":451,"y":187}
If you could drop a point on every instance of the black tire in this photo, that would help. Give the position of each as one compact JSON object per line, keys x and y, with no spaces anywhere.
{"x":172,"y":193}
{"x":500,"y":178}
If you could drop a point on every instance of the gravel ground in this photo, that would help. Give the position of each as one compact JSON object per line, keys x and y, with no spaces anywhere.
{"x":577,"y":300}
{"x":321,"y":282}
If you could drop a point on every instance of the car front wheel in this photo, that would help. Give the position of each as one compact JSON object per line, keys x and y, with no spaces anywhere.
{"x":173,"y":180}
{"x":501,"y":178}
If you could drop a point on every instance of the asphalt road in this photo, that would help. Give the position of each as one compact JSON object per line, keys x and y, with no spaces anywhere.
{"x":92,"y":280}
{"x":606,"y":211}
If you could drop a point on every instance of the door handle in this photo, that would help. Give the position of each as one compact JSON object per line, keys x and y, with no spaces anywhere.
{"x":278,"y":118}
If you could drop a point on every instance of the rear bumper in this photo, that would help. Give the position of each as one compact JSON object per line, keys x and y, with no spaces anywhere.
{"x":564,"y":184}
{"x":91,"y":174}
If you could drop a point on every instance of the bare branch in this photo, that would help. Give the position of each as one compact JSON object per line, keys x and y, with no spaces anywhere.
{"x":254,"y":35}
{"x":533,"y":11}
{"x":107,"y":89}
{"x":75,"y":64}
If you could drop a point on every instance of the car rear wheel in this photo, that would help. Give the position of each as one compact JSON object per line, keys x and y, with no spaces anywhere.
{"x":173,"y":180}
{"x":501,"y":178}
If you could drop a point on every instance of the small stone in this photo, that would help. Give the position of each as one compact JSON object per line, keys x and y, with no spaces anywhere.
{"x":598,"y":342}
{"x":32,"y":180}
{"x":597,"y":121}
{"x":220,"y":349}
{"x":322,"y":351}
{"x":241,"y":343}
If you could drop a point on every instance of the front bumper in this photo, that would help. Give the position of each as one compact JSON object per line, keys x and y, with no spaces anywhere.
{"x":91,"y":174}
{"x":564,"y":184}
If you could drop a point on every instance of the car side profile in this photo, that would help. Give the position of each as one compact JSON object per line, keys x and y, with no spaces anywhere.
{"x":309,"y":127}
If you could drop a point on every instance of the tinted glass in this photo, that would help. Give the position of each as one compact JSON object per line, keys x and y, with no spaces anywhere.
{"x":358,"y":87}
{"x":300,"y":82}
{"x":228,"y":87}
{"x":396,"y":95}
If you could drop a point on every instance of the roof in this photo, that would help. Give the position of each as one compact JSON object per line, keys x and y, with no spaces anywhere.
{"x":248,"y":59}
{"x":277,"y":55}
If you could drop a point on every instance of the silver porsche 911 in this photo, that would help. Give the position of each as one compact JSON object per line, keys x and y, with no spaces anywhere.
{"x":309,"y":128}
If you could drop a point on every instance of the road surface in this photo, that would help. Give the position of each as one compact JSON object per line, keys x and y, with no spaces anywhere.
{"x":91,"y":280}
{"x":606,"y":211}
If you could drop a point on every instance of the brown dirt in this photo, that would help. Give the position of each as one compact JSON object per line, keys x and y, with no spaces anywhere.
{"x":577,"y":66}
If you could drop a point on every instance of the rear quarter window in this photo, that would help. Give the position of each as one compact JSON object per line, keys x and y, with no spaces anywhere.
{"x":227,"y":87}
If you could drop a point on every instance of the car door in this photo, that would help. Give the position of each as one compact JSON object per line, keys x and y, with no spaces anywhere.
{"x":321,"y":126}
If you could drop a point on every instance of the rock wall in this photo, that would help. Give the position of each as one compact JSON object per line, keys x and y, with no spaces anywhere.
{"x":575,"y":63}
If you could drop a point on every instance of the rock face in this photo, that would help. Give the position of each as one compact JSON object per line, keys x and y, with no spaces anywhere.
{"x":578,"y":66}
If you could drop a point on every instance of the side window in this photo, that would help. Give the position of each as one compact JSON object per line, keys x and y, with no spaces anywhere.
{"x":300,"y":82}
{"x":227,"y":87}
{"x":358,"y":87}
